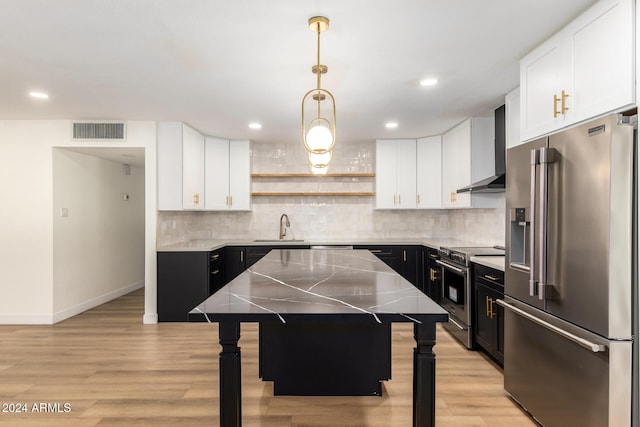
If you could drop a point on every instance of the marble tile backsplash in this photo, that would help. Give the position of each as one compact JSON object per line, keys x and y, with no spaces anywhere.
{"x":324,"y":218}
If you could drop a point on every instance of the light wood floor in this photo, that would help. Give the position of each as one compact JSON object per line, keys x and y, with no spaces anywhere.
{"x":115,"y":371}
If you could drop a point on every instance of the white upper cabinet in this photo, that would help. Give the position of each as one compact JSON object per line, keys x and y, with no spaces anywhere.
{"x":240,"y":175}
{"x":467,"y":157}
{"x":429,"y":172}
{"x":192,"y":169}
{"x":180,"y":167}
{"x":201,"y":173}
{"x":585,"y":70}
{"x":217,"y":174}
{"x":396,"y":174}
{"x":228,"y":175}
{"x":456,"y":165}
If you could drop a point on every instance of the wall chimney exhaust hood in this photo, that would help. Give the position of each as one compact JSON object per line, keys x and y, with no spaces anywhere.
{"x":494,"y":183}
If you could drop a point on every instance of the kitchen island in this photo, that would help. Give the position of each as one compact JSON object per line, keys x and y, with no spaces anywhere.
{"x":325,"y":294}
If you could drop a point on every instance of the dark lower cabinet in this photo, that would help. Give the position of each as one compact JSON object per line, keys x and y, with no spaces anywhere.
{"x":234,"y":262}
{"x":184,"y":281}
{"x":387,"y":254}
{"x":411,"y":264}
{"x":432,"y":277}
{"x":404,"y":260}
{"x":489,"y":316}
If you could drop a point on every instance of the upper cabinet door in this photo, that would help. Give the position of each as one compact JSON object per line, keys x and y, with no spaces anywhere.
{"x":386,"y":165}
{"x":429,"y":172}
{"x":544,"y":74}
{"x":239,"y":175}
{"x":217,"y":174}
{"x":584,"y":71}
{"x":406,"y":174}
{"x":603,"y":73}
{"x":169,"y":153}
{"x":192,"y":169}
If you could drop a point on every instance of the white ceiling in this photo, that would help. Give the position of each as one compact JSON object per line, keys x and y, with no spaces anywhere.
{"x":219,"y":65}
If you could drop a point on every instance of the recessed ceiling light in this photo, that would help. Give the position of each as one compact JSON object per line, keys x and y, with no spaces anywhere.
{"x":391,"y":125}
{"x":428,"y":82}
{"x":39,"y":95}
{"x":255,"y":126}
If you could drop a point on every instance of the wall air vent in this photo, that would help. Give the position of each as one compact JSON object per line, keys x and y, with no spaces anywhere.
{"x":99,"y":130}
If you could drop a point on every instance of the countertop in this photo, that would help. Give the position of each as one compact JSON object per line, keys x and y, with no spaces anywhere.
{"x":210,"y":245}
{"x":300,"y":285}
{"x":496,"y":262}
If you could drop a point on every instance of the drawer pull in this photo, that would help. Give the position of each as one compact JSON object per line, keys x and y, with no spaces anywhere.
{"x":490,"y":277}
{"x":375,"y":251}
{"x":215,"y":257}
{"x":214,"y":272}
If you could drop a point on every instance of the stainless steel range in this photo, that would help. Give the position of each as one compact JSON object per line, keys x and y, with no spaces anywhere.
{"x":456,"y":288}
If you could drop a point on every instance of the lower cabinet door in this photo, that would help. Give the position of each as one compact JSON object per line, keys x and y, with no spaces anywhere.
{"x":183,"y":283}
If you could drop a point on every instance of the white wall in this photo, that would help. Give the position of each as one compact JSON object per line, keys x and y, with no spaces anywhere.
{"x":98,"y":248}
{"x":26,"y":222}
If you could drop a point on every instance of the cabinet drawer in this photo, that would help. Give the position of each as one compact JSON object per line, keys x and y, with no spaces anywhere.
{"x":489,"y":274}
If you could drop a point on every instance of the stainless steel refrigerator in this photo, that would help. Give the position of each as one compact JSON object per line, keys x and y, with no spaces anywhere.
{"x":570,"y":274}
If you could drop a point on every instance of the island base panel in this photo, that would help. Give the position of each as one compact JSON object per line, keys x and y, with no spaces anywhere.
{"x":331,"y":359}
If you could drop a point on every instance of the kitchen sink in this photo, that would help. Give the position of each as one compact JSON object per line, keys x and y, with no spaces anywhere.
{"x":276,"y":240}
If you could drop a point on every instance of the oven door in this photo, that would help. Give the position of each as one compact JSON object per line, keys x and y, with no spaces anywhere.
{"x":455,"y":299}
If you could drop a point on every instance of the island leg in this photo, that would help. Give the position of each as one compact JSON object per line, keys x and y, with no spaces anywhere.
{"x":230,"y":378}
{"x":424,"y":375}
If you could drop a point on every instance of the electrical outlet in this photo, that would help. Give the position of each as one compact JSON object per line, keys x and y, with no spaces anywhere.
{"x":64,"y":212}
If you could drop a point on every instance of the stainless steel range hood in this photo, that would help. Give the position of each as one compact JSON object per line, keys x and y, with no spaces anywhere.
{"x":494,"y":183}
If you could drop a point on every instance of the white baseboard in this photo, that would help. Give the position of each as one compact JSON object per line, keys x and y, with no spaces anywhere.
{"x":150,"y":319}
{"x":87,"y":305}
{"x":26,"y":319}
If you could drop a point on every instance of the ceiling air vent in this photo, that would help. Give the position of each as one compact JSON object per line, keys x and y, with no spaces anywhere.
{"x":99,"y":130}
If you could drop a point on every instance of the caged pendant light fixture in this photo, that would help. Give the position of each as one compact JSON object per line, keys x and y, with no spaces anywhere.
{"x":319,"y":112}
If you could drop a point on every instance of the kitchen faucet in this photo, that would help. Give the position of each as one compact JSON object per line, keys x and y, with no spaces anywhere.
{"x":283,"y":230}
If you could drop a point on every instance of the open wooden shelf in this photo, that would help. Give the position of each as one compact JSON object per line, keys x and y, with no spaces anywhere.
{"x":308,"y":175}
{"x":315,"y":193}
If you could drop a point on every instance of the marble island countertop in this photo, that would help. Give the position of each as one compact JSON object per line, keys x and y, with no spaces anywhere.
{"x":213,"y":244}
{"x":287,"y":284}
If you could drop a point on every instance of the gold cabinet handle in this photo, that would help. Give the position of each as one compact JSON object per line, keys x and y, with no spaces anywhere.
{"x":418,"y":199}
{"x":404,"y":255}
{"x":490,"y":302}
{"x":490,"y":277}
{"x":375,"y":251}
{"x":399,"y":200}
{"x":562,"y":106}
{"x":394,"y":200}
{"x":215,"y":257}
{"x":226,"y":201}
{"x":241,"y":256}
{"x":486,"y":306}
{"x":196,"y":199}
{"x":214,"y":272}
{"x":555,"y":106}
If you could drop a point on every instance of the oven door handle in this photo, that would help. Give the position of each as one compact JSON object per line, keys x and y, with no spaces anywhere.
{"x":458,"y":325}
{"x":452,"y":268}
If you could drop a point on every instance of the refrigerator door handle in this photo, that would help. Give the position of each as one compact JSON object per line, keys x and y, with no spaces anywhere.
{"x":535,"y":159}
{"x":547,"y":155}
{"x":596,"y":348}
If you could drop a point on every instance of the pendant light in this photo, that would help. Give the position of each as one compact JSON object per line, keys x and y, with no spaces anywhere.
{"x":319,"y":112}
